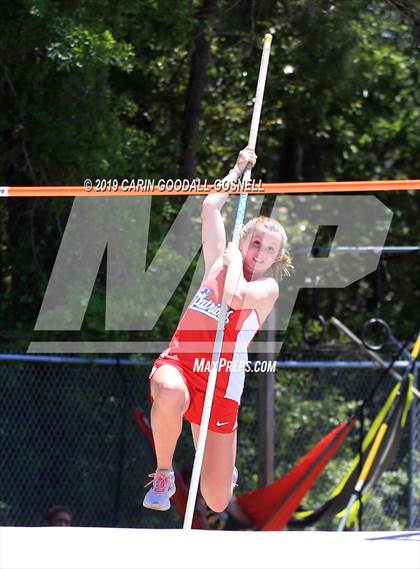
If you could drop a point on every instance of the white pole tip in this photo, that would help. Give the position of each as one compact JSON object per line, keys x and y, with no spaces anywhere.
{"x":268,"y":38}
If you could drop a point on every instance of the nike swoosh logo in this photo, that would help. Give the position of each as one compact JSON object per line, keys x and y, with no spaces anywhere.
{"x":219,"y":424}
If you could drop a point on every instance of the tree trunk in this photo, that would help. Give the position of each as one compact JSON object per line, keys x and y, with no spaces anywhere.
{"x":193,"y":106}
{"x":291,"y":162}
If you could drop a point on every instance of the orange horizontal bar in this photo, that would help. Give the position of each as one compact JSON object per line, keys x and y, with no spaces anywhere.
{"x":203,"y":189}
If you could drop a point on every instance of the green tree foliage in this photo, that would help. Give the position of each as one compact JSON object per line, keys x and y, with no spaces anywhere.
{"x":93,"y":90}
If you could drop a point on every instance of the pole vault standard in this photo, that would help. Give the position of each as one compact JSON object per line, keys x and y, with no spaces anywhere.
{"x":211,"y":384}
{"x":338,"y":324}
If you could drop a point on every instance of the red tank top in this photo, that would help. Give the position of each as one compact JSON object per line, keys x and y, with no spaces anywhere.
{"x":193,"y":341}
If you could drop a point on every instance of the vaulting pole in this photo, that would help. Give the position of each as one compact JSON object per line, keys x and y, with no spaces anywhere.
{"x":211,"y":384}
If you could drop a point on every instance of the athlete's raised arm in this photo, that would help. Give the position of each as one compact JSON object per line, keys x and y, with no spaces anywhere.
{"x":213,"y":230}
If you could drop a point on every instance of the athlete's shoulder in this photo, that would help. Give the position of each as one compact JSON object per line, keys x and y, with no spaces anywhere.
{"x":270,"y":285}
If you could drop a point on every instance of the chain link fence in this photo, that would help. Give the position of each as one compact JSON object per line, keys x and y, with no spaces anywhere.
{"x":68,"y":436}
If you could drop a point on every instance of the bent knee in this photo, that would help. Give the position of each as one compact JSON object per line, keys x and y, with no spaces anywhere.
{"x":167,"y":391}
{"x":218,"y":503}
{"x":217,"y":499}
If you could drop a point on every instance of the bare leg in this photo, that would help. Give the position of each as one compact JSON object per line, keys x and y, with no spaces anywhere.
{"x":170,"y":401}
{"x":216,"y":473}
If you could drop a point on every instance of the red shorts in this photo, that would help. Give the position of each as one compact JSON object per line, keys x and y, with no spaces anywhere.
{"x":224,"y":411}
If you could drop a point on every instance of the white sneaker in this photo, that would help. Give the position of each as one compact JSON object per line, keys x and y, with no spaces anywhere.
{"x":234,"y":478}
{"x":158,"y":497}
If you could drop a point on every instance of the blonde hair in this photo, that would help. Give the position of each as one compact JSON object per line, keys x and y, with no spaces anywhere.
{"x":283,"y":264}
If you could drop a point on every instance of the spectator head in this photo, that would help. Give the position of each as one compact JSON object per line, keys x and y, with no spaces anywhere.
{"x":58,"y":516}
